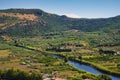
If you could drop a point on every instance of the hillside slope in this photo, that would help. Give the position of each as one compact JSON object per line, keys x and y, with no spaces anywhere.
{"x":34,"y":22}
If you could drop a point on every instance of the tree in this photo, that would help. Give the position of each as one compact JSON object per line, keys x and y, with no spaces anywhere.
{"x":80,"y":58}
{"x":65,"y":59}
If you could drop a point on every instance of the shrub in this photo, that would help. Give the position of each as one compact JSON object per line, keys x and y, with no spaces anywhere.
{"x":18,"y":75}
{"x":104,"y":77}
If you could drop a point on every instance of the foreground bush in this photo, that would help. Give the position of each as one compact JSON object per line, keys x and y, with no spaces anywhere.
{"x":18,"y":75}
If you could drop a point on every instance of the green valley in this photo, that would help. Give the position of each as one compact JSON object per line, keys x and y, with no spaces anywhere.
{"x":28,"y":38}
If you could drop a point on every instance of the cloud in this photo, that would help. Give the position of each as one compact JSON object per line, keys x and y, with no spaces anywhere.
{"x":72,"y":15}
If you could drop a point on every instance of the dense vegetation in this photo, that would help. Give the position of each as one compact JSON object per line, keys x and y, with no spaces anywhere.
{"x":18,"y":75}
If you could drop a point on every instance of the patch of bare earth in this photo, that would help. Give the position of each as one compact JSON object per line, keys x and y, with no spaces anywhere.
{"x":58,"y":79}
{"x":20,"y":16}
{"x":20,"y":19}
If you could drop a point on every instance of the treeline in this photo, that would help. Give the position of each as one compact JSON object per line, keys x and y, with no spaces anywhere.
{"x":18,"y":75}
{"x":59,"y":50}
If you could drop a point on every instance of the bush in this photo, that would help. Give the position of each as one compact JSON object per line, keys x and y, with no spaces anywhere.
{"x":104,"y":77}
{"x":18,"y":75}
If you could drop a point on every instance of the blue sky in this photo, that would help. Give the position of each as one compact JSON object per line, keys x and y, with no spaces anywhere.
{"x":73,"y":8}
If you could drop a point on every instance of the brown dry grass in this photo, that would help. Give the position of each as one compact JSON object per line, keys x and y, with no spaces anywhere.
{"x":20,"y":16}
{"x":6,"y":37}
{"x":4,"y":53}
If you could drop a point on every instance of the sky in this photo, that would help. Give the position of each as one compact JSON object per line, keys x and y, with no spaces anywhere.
{"x":71,"y":8}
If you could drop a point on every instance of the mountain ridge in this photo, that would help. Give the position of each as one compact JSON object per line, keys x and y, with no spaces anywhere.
{"x":47,"y":22}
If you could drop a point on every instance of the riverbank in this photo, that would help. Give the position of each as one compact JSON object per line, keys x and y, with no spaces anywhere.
{"x":96,"y":66}
{"x":101,"y":68}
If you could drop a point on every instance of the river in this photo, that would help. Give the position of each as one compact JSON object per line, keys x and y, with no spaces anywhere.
{"x":87,"y":68}
{"x":90,"y":69}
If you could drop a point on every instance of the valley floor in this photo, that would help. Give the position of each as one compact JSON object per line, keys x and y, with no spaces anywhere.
{"x":31,"y":55}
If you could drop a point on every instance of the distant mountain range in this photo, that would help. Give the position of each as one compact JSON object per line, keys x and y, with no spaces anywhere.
{"x":35,"y":22}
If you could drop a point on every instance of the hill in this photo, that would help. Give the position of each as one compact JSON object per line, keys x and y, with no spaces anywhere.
{"x":34,"y":22}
